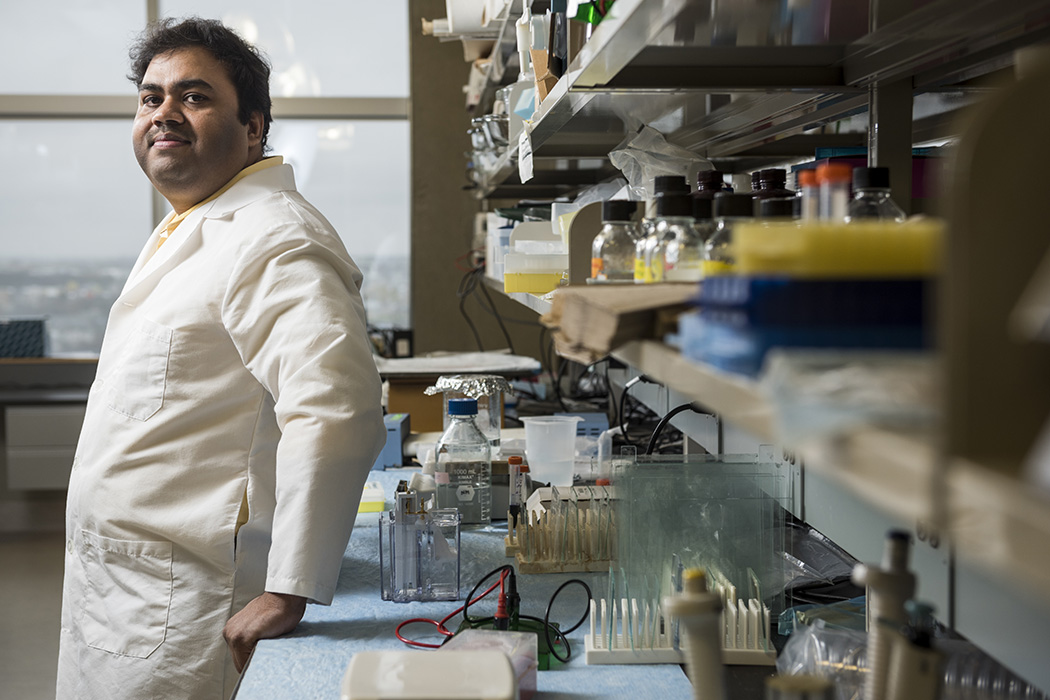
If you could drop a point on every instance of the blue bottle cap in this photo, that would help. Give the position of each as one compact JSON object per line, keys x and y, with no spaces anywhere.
{"x":463,"y":407}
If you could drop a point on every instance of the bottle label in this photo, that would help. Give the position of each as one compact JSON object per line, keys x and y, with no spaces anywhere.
{"x":596,"y":268}
{"x":713,"y":268}
{"x":642,"y":273}
{"x":656,"y":270}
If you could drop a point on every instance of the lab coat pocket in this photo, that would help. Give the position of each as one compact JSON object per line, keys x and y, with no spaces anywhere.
{"x":136,"y":389}
{"x":127,"y":594}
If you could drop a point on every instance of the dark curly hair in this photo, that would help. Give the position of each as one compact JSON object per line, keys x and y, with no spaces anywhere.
{"x":248,"y":68}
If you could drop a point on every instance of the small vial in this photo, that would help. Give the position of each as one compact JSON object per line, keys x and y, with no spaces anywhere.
{"x":809,"y":195}
{"x":834,"y":180}
{"x":612,"y":252}
{"x":519,"y":488}
{"x":871,"y":196}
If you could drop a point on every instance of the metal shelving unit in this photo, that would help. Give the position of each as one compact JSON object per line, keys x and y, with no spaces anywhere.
{"x":653,"y":62}
{"x":766,"y":100}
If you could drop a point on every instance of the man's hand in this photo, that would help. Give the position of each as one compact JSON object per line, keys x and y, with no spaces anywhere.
{"x":268,"y":616}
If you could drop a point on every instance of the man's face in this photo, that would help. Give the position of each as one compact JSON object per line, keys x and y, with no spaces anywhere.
{"x":187,"y":137}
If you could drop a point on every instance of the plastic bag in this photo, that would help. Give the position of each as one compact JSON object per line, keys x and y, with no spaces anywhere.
{"x":602,"y":192}
{"x":841,"y":655}
{"x":646,"y":154}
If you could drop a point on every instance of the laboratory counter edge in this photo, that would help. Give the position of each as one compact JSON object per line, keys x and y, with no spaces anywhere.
{"x":310,"y":662}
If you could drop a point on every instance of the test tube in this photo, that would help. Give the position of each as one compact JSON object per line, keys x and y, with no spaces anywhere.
{"x":834,"y":179}
{"x":518,"y":473}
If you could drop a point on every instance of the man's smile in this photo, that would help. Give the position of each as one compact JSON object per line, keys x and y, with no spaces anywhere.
{"x":168,"y":140}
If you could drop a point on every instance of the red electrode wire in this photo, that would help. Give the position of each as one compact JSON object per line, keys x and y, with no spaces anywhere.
{"x":441,"y":625}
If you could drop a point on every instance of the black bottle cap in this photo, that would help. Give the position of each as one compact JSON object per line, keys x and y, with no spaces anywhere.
{"x":734,"y":204}
{"x":863,"y":178}
{"x":703,"y":209}
{"x":710,"y":179}
{"x":663,"y":184}
{"x":674,"y":204}
{"x":618,"y":210}
{"x":776,"y":207}
{"x":772,"y":178}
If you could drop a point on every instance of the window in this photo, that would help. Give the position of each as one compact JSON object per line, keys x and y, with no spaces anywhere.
{"x":359,"y":49}
{"x":356,"y":173}
{"x":76,"y":210}
{"x":76,"y":206}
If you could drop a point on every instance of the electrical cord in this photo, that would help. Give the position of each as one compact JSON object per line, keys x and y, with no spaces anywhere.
{"x":505,"y":568}
{"x":506,"y":574}
{"x":547,"y":624}
{"x":665,"y":420}
{"x":499,"y":317}
{"x":463,"y":292}
{"x":621,"y":418}
{"x":440,"y":624}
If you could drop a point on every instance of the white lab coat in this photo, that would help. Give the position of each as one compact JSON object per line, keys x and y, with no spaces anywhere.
{"x":235,"y":363}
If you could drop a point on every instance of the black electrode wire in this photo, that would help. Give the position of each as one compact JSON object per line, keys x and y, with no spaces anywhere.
{"x":547,"y":626}
{"x":665,"y":420}
{"x":466,"y":618}
{"x":547,"y":619}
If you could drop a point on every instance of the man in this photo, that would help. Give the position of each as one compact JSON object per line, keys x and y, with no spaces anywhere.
{"x":236,"y":409}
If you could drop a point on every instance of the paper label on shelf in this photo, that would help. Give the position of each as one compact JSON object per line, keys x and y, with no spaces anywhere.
{"x":524,"y":156}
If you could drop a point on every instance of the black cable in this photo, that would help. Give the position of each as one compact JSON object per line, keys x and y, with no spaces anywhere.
{"x":622,"y":417}
{"x":665,"y":420}
{"x":499,"y":317}
{"x":462,"y":293}
{"x":556,"y":383}
{"x":547,"y":623}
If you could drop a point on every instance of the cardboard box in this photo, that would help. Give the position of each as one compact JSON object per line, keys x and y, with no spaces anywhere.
{"x":406,"y":396}
{"x":545,"y":80}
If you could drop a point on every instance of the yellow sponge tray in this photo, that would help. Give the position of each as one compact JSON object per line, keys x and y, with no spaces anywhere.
{"x":858,"y":249}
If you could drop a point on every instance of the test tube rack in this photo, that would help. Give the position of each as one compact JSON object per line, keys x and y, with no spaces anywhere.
{"x":561,"y":542}
{"x":638,"y":632}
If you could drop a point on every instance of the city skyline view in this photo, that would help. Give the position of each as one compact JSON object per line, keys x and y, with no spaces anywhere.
{"x":75,"y":295}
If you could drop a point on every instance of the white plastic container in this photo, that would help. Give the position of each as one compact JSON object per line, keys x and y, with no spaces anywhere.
{"x":550,"y":446}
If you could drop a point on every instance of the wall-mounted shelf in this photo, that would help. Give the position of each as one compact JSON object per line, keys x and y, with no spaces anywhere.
{"x":655,"y":62}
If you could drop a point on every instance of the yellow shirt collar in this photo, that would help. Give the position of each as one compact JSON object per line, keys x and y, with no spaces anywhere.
{"x":173,"y":224}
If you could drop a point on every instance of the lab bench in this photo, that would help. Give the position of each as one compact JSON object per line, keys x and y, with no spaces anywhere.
{"x":310,"y":662}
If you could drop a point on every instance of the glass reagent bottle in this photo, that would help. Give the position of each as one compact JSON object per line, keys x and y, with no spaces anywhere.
{"x":464,"y":465}
{"x":871,"y":196}
{"x":612,"y":252}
